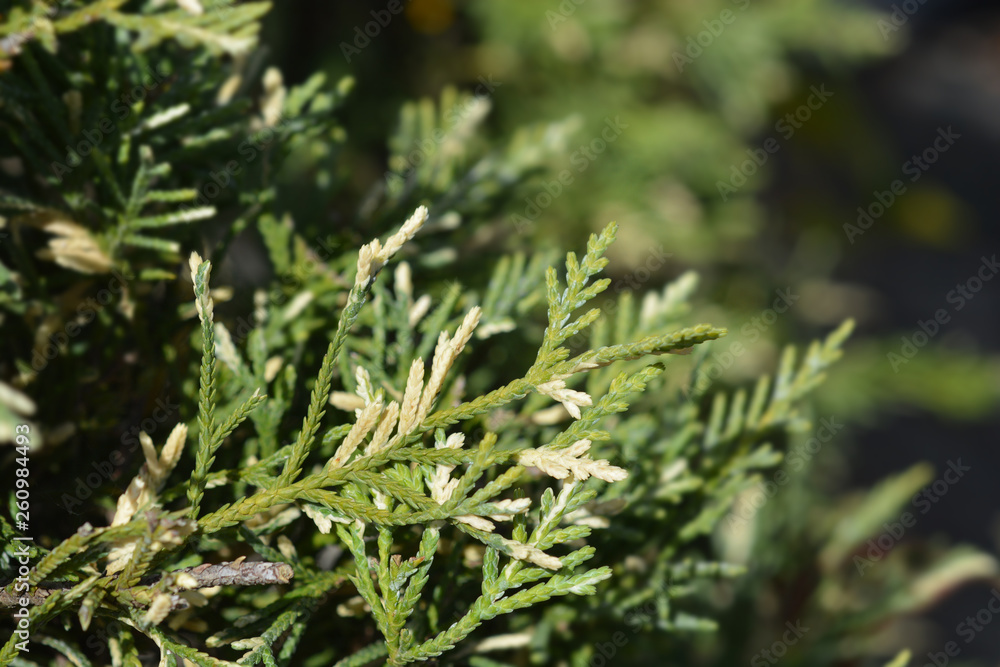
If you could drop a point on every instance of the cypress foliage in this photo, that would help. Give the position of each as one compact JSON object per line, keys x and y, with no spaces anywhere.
{"x":382,"y":454}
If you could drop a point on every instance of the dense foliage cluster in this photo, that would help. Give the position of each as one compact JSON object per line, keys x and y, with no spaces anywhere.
{"x":254,"y":436}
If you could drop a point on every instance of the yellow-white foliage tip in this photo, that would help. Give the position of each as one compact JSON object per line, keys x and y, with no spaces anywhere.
{"x":561,"y":463}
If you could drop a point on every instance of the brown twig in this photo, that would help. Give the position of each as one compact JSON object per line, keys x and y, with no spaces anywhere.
{"x":208,"y":575}
{"x":11,"y":599}
{"x":239,"y":573}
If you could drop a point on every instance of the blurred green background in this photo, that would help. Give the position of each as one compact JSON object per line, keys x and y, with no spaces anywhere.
{"x":745,"y":140}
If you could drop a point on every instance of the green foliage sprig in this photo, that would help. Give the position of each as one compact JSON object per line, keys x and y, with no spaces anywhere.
{"x":424,"y":455}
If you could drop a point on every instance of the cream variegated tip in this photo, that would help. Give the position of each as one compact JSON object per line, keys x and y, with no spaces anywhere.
{"x":354,"y":607}
{"x":381,"y":437}
{"x":271,"y":368}
{"x":419,"y":309}
{"x":260,"y":306}
{"x":158,"y":610}
{"x":511,"y":506}
{"x":323,"y":518}
{"x":203,"y":303}
{"x":366,"y":257}
{"x":549,"y":416}
{"x":287,"y":548}
{"x":154,"y":472}
{"x":584,"y":366}
{"x":561,"y":463}
{"x":73,"y":247}
{"x":409,"y":415}
{"x":442,"y":485}
{"x":149,"y":452}
{"x":366,"y":422}
{"x":503,"y":642}
{"x":194,"y":261}
{"x":225,"y":350}
{"x":464,"y":333}
{"x":570,"y":399}
{"x":297,"y":305}
{"x":323,"y":522}
{"x":347,"y":402}
{"x":191,"y":7}
{"x":405,"y":233}
{"x":144,"y":487}
{"x":495,"y":327}
{"x":16,"y":400}
{"x":273,"y":101}
{"x":365,"y":389}
{"x":404,"y":280}
{"x":526,"y":552}
{"x":417,"y":398}
{"x":445,"y":354}
{"x":373,"y":256}
{"x":228,"y":89}
{"x":172,"y":450}
{"x":477,"y":522}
